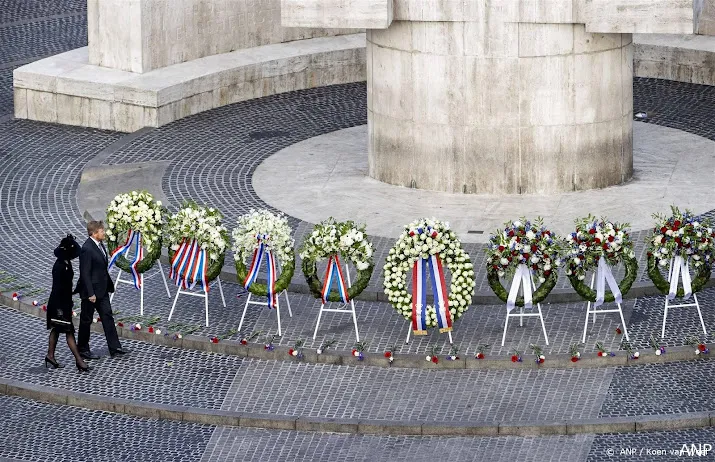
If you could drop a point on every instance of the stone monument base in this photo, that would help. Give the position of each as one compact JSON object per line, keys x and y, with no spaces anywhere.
{"x":66,"y":89}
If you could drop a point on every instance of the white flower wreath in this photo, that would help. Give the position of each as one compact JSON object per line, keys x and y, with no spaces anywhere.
{"x":347,"y":239}
{"x":193,"y":221}
{"x":137,"y":211}
{"x":263,"y":222}
{"x":412,"y":245}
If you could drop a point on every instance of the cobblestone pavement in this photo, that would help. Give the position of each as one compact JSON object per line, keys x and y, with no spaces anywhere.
{"x":31,"y":431}
{"x":33,"y":29}
{"x":653,"y":446}
{"x":39,"y":174}
{"x":153,"y":374}
{"x":163,"y":375}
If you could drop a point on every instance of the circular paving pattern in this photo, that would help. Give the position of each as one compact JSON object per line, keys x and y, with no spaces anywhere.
{"x":212,"y":158}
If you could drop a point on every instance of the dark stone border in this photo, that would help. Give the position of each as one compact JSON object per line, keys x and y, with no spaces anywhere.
{"x":355,"y":426}
{"x":412,"y":361}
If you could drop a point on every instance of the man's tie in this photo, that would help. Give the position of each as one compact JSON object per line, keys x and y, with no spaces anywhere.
{"x":104,"y":251}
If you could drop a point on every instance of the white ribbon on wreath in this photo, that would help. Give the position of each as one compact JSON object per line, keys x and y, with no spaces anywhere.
{"x":680,"y":269}
{"x":604,"y":275}
{"x":522,"y":277}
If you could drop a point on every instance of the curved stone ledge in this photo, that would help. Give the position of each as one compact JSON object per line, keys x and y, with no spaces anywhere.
{"x":411,"y":361}
{"x":66,"y":89}
{"x":355,"y":426}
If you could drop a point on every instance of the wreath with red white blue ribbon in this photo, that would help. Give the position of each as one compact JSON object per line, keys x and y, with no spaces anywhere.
{"x":426,"y":247}
{"x":332,"y":239}
{"x":266,"y":237}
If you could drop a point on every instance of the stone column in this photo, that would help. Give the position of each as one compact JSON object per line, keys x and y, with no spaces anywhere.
{"x":144,"y":35}
{"x":502,"y":96}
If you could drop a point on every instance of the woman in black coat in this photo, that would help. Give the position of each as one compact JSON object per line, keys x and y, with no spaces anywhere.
{"x":59,"y":306}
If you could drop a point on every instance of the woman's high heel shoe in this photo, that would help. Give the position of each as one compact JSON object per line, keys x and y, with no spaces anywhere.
{"x":83,"y":369}
{"x":53,"y":363}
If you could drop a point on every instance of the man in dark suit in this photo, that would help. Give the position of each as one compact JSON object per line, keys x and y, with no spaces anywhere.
{"x":94,"y":286}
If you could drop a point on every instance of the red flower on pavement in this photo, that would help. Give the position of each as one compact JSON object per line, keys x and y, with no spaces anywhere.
{"x":290,"y":352}
{"x":541,"y":360}
{"x":574,"y":359}
{"x":244,"y":341}
{"x":702,"y":347}
{"x":435,"y":359}
{"x":480,"y":355}
{"x":151,"y":329}
{"x":120,"y":324}
{"x":388,"y":354}
{"x":619,"y":331}
{"x":214,"y":339}
{"x":514,"y":358}
{"x":600,"y":353}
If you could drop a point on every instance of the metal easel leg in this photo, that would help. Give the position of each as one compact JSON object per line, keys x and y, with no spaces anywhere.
{"x":588,"y":311}
{"x":173,"y":305}
{"x":506,"y":324}
{"x":220,"y":289}
{"x":409,"y":332}
{"x":450,"y":338}
{"x":116,"y":284}
{"x":290,"y":312}
{"x":357,"y":335}
{"x":141,"y":295}
{"x":702,"y":323}
{"x":206,"y":304}
{"x":245,"y":307}
{"x":585,"y":324}
{"x":317,"y":324}
{"x":543,"y":326}
{"x":278,"y":315}
{"x":665,"y":316}
{"x":163,"y":278}
{"x":623,"y":322}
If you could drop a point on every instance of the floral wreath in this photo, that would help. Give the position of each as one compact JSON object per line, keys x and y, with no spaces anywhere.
{"x":136,"y":211}
{"x":528,"y":243}
{"x":203,"y":224}
{"x":329,"y":238}
{"x":412,"y":245}
{"x":595,"y":239}
{"x":685,"y":235}
{"x":277,"y":237}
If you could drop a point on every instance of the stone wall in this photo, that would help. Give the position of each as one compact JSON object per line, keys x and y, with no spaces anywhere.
{"x":143,"y":35}
{"x":705,"y":17}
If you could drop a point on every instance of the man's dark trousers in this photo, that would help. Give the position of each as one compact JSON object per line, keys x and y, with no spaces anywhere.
{"x":86,"y":318}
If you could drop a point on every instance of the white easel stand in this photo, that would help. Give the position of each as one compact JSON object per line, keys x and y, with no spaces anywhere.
{"x":682,"y":305}
{"x":263,"y":303}
{"x":278,"y":305}
{"x":596,"y":310}
{"x":203,"y":294}
{"x":119,"y":280}
{"x":343,"y":309}
{"x":521,"y":314}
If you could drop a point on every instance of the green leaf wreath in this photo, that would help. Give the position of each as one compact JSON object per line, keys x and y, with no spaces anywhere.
{"x":595,"y":239}
{"x":347,"y":239}
{"x":137,"y":211}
